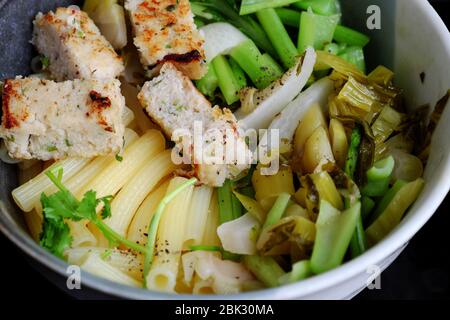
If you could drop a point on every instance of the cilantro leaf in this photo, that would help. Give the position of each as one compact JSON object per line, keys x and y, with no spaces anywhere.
{"x":62,"y":206}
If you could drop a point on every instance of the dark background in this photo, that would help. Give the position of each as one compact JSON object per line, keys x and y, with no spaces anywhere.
{"x":422,"y":271}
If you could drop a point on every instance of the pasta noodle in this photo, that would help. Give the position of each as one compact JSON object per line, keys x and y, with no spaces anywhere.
{"x":127,"y":262}
{"x":210,"y":237}
{"x":164,"y":270}
{"x":114,"y":176}
{"x":135,"y":190}
{"x":198,"y":215}
{"x":81,"y":235}
{"x":27,"y":195}
{"x":97,"y":266}
{"x":139,"y":225}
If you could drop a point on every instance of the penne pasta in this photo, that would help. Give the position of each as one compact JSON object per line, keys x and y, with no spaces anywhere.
{"x":210,"y":237}
{"x":198,"y":215}
{"x":139,"y":225}
{"x":116,"y":173}
{"x":81,"y":235}
{"x":127,"y":201}
{"x":95,"y":265}
{"x":127,"y":262}
{"x":203,"y":286}
{"x":164,"y":270}
{"x":27,"y":195}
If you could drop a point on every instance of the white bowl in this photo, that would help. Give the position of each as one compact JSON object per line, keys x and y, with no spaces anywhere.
{"x":413,"y":40}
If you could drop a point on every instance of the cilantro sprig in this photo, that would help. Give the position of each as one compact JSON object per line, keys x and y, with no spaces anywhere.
{"x":63,"y":205}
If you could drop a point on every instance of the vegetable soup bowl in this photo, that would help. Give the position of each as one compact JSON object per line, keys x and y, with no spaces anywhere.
{"x":411,"y":39}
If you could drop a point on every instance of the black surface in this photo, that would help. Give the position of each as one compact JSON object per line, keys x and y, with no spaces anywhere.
{"x":421,"y":272}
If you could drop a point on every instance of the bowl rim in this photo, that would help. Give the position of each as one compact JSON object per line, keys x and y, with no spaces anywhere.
{"x":393,"y":242}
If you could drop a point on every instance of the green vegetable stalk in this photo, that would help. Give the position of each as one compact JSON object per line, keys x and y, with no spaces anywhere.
{"x":266,"y":269}
{"x":244,"y":23}
{"x":322,"y":7}
{"x":260,"y":68}
{"x":394,"y":211}
{"x":272,"y":25}
{"x":277,"y":210}
{"x":209,"y":83}
{"x":239,"y":74}
{"x":334,"y":233}
{"x":300,"y":270}
{"x":350,"y":37}
{"x":358,"y":242}
{"x":230,"y":208}
{"x":378,"y":178}
{"x":289,"y":17}
{"x":252,"y":6}
{"x":228,"y":85}
{"x":315,"y":30}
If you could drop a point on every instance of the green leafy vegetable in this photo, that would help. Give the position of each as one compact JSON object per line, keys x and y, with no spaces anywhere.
{"x":209,"y":83}
{"x":378,"y":178}
{"x":300,"y":270}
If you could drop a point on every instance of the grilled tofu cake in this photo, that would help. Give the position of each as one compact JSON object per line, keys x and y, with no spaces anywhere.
{"x":44,"y":120}
{"x":174,"y":103}
{"x":74,"y":46}
{"x":164,"y":30}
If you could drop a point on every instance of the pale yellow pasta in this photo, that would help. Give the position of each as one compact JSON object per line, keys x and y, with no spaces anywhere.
{"x":34,"y":220}
{"x":198,"y":215}
{"x":164,"y":270}
{"x":210,"y":237}
{"x":126,"y":261}
{"x":87,"y":174}
{"x":203,"y":286}
{"x":97,"y":266}
{"x":139,"y":225}
{"x":128,"y":200}
{"x":116,"y":173}
{"x":81,"y":235}
{"x":27,"y":195}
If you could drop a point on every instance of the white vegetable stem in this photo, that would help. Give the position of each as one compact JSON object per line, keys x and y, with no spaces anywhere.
{"x":283,"y":93}
{"x":287,"y":121}
{"x":220,"y":38}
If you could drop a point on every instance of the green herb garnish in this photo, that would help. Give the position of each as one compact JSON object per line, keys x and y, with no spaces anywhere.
{"x":62,"y":206}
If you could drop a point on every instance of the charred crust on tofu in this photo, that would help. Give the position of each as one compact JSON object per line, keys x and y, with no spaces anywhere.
{"x":188,"y":57}
{"x":99,"y":102}
{"x":8,"y":119}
